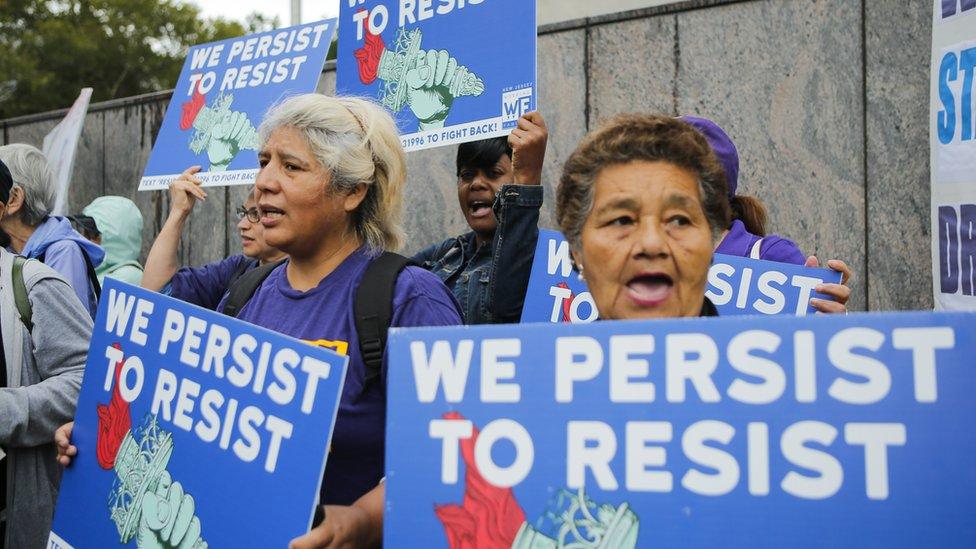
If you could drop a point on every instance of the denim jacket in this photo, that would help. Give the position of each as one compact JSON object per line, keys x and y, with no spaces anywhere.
{"x":490,"y":281}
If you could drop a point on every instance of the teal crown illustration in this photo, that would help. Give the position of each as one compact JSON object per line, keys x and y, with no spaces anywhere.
{"x":575,"y":521}
{"x":139,"y":465}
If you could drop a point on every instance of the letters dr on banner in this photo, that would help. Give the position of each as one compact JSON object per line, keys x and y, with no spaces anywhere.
{"x":736,"y":286}
{"x":824,"y":431}
{"x":952,"y":157}
{"x":221,"y":96}
{"x":450,"y":71}
{"x":194,"y":429}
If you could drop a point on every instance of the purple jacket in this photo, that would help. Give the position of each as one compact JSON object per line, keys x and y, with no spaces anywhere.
{"x":740,"y":242}
{"x":323,"y":316}
{"x":206,"y":285}
{"x":61,"y":247}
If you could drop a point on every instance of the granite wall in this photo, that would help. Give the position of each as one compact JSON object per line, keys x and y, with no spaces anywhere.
{"x":826,"y":100}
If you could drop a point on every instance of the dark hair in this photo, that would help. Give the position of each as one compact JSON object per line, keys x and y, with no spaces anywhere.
{"x":751,"y":212}
{"x":85,"y":225}
{"x":631,"y":137}
{"x":482,"y":155}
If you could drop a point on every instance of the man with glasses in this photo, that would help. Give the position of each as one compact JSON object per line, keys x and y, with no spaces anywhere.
{"x":203,"y":286}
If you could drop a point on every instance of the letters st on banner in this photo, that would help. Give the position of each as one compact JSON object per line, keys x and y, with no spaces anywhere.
{"x":450,"y":71}
{"x":821,"y":430}
{"x":736,"y":286}
{"x":222,"y":94}
{"x":952,"y":156}
{"x":195,"y":425}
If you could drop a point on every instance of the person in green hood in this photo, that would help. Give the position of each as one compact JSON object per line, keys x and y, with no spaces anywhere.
{"x":120,"y":224}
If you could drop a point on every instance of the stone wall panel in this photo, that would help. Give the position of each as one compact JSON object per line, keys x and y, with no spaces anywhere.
{"x":784,"y":79}
{"x":562,"y":101}
{"x":632,"y":67}
{"x":897,"y":46}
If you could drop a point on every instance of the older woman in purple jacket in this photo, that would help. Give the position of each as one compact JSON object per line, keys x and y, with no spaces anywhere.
{"x":746,"y":236}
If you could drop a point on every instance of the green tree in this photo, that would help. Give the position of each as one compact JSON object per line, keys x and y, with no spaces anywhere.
{"x":53,"y":48}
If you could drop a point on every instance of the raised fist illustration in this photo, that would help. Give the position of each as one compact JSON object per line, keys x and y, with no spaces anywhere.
{"x":434,"y":80}
{"x":168,"y":519}
{"x":222,"y":133}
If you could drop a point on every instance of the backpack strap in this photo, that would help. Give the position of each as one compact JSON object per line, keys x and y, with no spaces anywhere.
{"x":89,"y":268}
{"x":373,"y":309}
{"x":21,"y":298}
{"x":241,"y":290}
{"x":242,"y":267}
{"x":756,"y":250}
{"x":372,"y":304}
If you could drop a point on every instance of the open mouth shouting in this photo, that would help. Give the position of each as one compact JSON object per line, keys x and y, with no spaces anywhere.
{"x":650,"y":289}
{"x":479,"y":208}
{"x":270,"y":216}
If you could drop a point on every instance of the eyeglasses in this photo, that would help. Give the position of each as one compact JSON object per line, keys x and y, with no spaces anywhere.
{"x":252,"y":214}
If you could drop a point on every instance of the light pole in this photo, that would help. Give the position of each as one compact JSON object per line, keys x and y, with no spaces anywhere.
{"x":296,"y":12}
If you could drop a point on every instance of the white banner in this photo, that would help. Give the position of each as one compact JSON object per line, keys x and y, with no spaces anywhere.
{"x":60,"y":146}
{"x":952,"y":155}
{"x":209,"y":179}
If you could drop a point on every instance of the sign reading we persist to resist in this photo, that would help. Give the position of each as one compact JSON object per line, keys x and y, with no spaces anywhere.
{"x":827,"y":430}
{"x":221,"y":96}
{"x":194,"y":429}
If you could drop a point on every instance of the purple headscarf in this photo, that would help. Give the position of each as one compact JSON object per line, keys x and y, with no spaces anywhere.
{"x":722,"y":145}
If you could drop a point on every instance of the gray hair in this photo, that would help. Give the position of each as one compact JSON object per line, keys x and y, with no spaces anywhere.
{"x":33,"y":175}
{"x":633,"y":137}
{"x":357,"y":141}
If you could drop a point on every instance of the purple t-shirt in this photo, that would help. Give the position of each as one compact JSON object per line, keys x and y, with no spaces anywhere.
{"x":324,"y":316}
{"x":739,"y":242}
{"x":206,"y":285}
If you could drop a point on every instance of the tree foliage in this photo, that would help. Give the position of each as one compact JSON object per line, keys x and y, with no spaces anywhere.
{"x":53,"y":48}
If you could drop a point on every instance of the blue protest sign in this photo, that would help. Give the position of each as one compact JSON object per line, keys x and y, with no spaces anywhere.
{"x":223,"y":92}
{"x":555,"y":292}
{"x":739,"y":285}
{"x":192,"y":425}
{"x":437,"y":68}
{"x":825,"y":430}
{"x":736,"y":285}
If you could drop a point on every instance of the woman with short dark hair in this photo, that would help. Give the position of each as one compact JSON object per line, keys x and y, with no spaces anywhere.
{"x":204,"y":285}
{"x":500,"y":193}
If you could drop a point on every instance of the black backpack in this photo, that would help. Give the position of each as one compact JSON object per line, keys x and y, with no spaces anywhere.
{"x":372,"y":304}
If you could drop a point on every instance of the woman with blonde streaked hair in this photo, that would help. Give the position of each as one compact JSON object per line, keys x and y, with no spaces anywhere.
{"x":330,"y":193}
